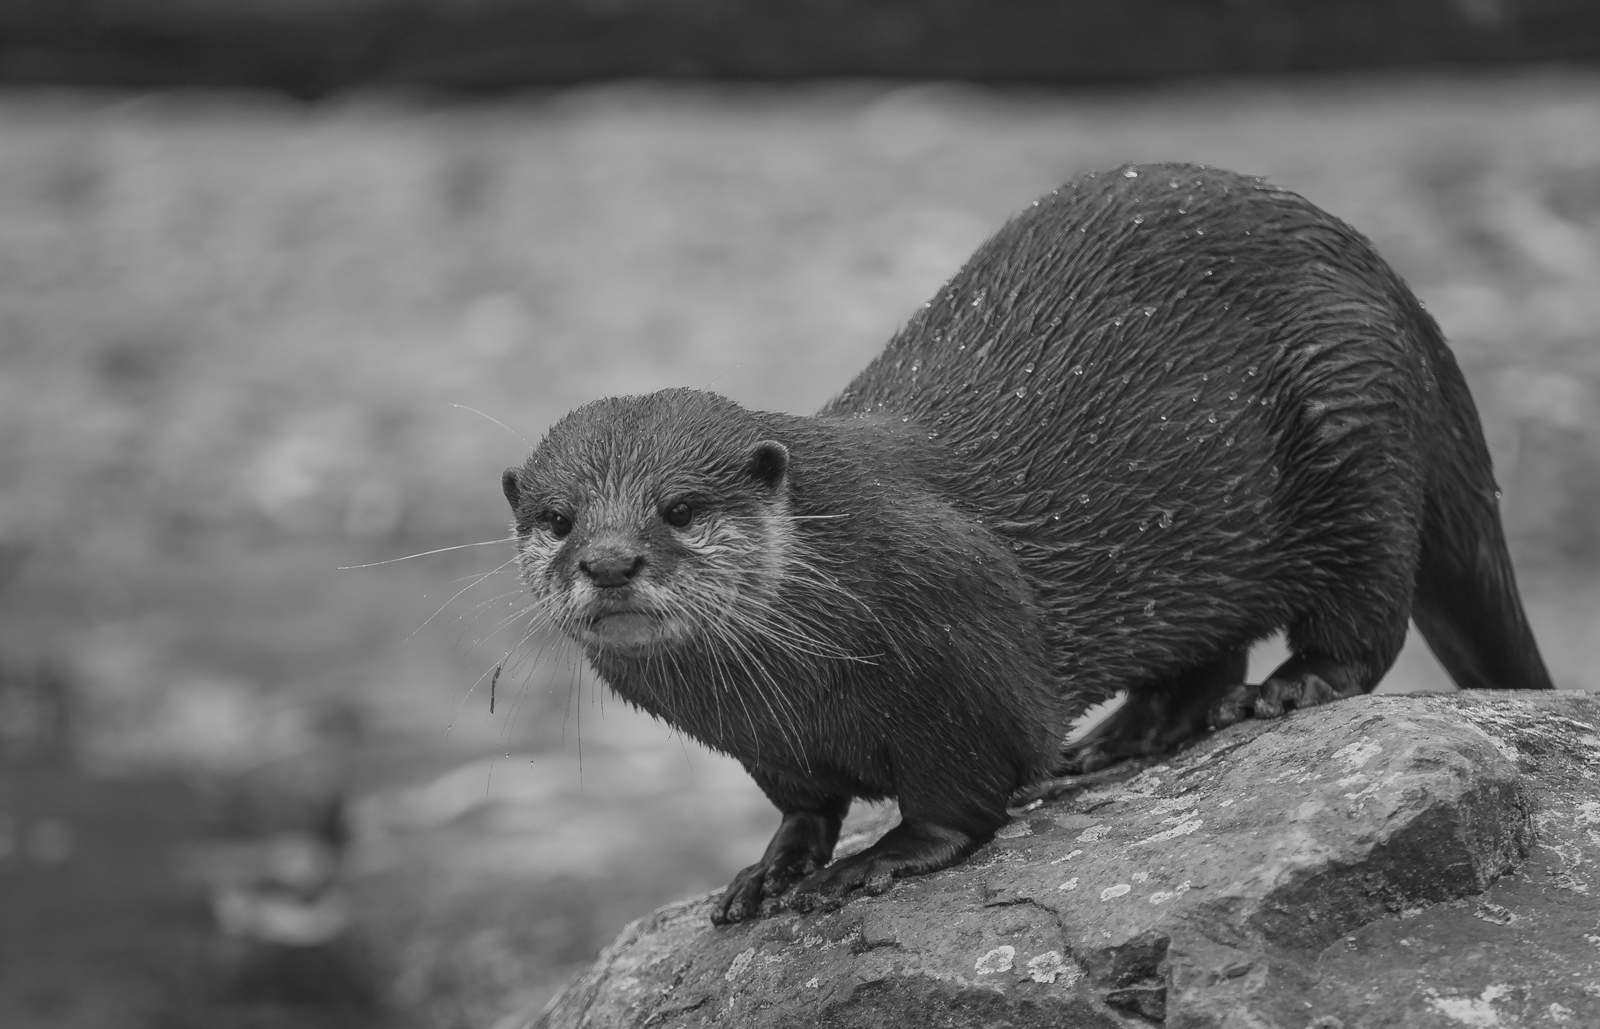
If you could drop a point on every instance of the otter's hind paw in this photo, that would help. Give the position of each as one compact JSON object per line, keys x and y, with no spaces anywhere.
{"x":1158,"y":717}
{"x":1288,"y":689}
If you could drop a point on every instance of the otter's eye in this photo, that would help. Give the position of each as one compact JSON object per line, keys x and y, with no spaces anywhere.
{"x":679,"y":514}
{"x":558,"y":523}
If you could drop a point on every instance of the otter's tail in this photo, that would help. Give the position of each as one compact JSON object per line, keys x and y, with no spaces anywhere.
{"x":1466,"y":600}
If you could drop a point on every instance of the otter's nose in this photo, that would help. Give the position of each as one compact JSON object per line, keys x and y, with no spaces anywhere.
{"x":610,"y":570}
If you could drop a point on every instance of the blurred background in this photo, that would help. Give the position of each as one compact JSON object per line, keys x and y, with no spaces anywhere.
{"x":285,"y":285}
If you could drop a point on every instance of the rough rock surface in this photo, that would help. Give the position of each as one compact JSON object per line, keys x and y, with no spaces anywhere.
{"x":1407,"y":861}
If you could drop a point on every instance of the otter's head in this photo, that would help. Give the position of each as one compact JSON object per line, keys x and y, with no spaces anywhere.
{"x":644,"y":521}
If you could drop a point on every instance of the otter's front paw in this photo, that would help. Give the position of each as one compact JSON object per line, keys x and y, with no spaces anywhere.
{"x":827,"y":889}
{"x":743,"y":899}
{"x":914,"y":847}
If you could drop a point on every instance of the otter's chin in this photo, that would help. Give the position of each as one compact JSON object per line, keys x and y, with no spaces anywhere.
{"x":625,"y":631}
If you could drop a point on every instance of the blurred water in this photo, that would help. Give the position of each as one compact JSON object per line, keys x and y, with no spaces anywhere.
{"x":232,"y":335}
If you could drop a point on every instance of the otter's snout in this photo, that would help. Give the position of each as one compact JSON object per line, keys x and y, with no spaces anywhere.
{"x":610,"y":566}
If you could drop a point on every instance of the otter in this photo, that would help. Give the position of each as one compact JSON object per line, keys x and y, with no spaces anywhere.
{"x":1163,"y":413}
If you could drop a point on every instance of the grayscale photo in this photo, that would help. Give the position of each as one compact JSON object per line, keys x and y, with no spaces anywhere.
{"x":592,"y":514}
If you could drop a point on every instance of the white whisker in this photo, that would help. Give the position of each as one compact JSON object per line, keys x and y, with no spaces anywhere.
{"x":426,"y":553}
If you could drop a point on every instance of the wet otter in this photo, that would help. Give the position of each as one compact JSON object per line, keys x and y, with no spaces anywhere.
{"x":1161,"y":414}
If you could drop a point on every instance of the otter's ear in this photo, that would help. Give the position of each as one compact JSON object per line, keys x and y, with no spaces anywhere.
{"x":512,"y":486}
{"x":769,"y":463}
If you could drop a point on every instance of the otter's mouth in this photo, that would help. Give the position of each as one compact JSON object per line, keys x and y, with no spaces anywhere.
{"x":624,"y":630}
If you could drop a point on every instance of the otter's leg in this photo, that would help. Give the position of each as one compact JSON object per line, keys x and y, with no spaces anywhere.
{"x":1332,"y":657}
{"x":914,"y":847}
{"x":1156,"y":718}
{"x":803,"y":843}
{"x":1354,"y":468}
{"x":943,"y":818}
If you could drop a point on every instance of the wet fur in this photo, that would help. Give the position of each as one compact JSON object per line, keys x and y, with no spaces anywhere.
{"x":811,"y":652}
{"x":1162,"y":414}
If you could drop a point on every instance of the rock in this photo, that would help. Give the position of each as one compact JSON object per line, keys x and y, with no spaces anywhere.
{"x":1410,"y":860}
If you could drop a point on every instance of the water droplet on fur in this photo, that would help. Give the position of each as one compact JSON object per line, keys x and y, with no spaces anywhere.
{"x":1126,"y":378}
{"x":1021,"y":392}
{"x":1144,"y":523}
{"x":1275,"y":472}
{"x":1149,"y":608}
{"x":1228,"y":442}
{"x":916,"y":366}
{"x":1119,"y":619}
{"x":1017,"y":547}
{"x":1211,"y":418}
{"x":1077,"y":369}
{"x":1206,"y":273}
{"x":1138,"y":219}
{"x":1118,"y":320}
{"x":1149,"y":310}
{"x":1227,"y":498}
{"x":1163,"y":417}
{"x":994,"y":435}
{"x":1028,"y":368}
{"x":1168,"y":365}
{"x":906,"y":418}
{"x":1165,"y":521}
{"x":1083,"y":498}
{"x":1020,"y":478}
{"x":1251,"y":370}
{"x":1195,"y":399}
{"x":1233,"y":394}
{"x":1094,"y":437}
